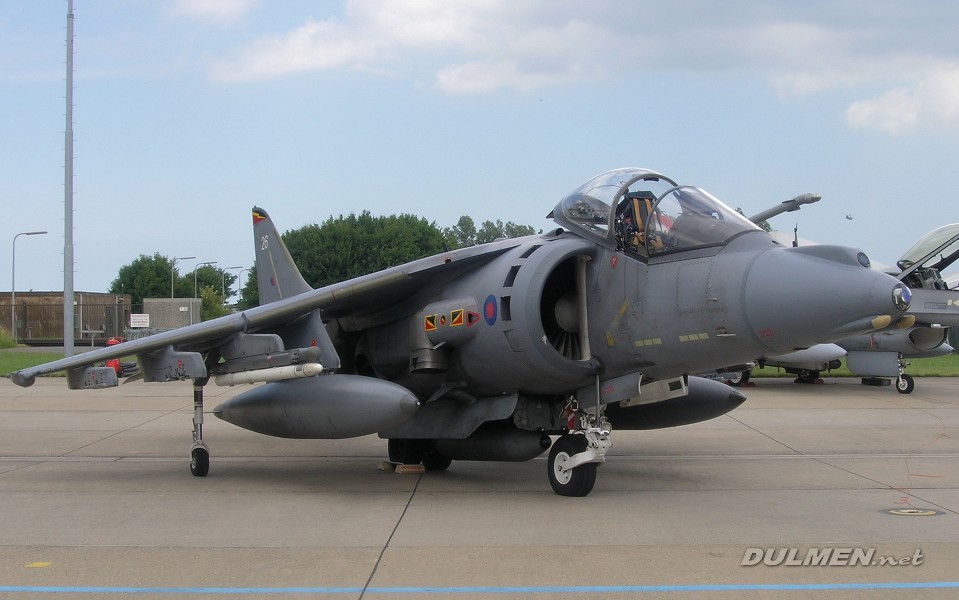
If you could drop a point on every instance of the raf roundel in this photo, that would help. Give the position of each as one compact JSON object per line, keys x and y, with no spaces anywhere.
{"x":489,"y":310}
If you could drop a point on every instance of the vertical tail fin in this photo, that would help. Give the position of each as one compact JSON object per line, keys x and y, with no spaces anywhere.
{"x":276,"y":274}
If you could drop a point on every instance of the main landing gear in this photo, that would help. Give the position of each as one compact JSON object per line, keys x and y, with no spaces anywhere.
{"x":199,"y":453}
{"x":574,"y":457}
{"x":414,"y":452}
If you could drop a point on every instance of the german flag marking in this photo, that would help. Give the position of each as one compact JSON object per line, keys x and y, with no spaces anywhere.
{"x":456,"y":317}
{"x":257,"y":217}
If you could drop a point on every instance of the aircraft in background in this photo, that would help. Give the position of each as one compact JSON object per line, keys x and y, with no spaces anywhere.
{"x":879,"y":357}
{"x":483,"y":353}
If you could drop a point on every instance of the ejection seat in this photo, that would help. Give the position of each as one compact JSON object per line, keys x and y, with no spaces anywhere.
{"x":634,"y":214}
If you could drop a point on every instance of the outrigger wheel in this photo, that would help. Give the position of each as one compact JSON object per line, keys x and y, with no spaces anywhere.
{"x":199,"y":455}
{"x":199,"y":461}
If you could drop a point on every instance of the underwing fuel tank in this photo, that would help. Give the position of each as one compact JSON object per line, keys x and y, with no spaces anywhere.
{"x":322,"y":407}
{"x":707,"y":399}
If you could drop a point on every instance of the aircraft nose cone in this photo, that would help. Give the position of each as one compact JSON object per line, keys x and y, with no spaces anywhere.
{"x":797,"y":297}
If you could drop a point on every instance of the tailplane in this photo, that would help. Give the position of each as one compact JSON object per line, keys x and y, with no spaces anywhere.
{"x":276,"y":274}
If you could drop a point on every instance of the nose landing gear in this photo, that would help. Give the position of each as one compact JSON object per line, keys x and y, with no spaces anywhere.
{"x":574,"y":457}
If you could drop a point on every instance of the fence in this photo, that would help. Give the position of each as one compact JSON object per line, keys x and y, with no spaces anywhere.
{"x":42,"y":324}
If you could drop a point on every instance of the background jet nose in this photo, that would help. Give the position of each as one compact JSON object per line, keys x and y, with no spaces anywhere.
{"x":797,"y":297}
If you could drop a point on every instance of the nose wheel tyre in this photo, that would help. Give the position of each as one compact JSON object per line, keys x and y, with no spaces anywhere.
{"x":577,"y":481}
{"x":905,"y":384}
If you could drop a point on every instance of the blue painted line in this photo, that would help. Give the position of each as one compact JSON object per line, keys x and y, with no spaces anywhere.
{"x":635,"y":589}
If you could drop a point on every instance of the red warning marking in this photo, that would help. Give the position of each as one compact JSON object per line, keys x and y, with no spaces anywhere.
{"x":471,"y":318}
{"x":429,"y":323}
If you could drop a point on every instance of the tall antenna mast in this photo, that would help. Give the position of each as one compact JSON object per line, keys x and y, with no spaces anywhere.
{"x":68,"y":198}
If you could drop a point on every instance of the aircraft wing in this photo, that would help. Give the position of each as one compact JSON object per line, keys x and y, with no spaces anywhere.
{"x":176,"y":354}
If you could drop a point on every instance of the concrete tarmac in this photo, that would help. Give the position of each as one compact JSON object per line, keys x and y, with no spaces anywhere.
{"x":96,"y":500}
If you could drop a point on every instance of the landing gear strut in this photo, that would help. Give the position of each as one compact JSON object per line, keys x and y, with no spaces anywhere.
{"x":199,"y":454}
{"x":574,"y":457}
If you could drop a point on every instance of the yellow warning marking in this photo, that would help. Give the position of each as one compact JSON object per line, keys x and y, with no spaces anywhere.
{"x":650,"y":342}
{"x":610,"y":340}
{"x":37,"y":565}
{"x":622,"y":311}
{"x":694,"y":337}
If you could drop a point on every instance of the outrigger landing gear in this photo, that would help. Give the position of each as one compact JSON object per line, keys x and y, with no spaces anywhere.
{"x":574,"y":457}
{"x":199,"y":454}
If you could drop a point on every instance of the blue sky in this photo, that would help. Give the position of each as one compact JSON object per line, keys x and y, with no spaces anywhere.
{"x":190,"y":112}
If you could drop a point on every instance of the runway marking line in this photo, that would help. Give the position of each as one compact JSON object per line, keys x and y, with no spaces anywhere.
{"x":916,"y":585}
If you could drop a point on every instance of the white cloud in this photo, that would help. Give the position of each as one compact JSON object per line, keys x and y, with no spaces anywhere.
{"x":482,"y":46}
{"x":895,"y":112}
{"x":316,"y":46}
{"x":224,"y":12}
{"x":474,"y":47}
{"x":932,"y":102}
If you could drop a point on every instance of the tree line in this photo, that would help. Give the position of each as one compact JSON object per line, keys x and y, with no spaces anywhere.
{"x":338,"y":249}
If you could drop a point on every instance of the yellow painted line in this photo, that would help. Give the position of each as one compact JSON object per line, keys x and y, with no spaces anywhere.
{"x":37,"y":565}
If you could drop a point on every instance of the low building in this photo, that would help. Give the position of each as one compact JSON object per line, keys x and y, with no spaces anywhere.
{"x":170,"y":313}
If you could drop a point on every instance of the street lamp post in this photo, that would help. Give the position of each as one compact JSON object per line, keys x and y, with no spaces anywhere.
{"x":223,"y":281}
{"x":197,"y":266}
{"x":173,"y":269}
{"x":13,"y":282}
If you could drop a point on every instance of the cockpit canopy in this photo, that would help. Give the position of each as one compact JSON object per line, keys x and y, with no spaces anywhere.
{"x":641,"y":211}
{"x":926,"y":262}
{"x":940,"y":245}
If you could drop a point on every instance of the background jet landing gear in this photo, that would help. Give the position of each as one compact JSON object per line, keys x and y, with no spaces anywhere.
{"x":905,"y":384}
{"x":807,"y":376}
{"x":740,"y":379}
{"x":574,"y":457}
{"x":199,"y":454}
